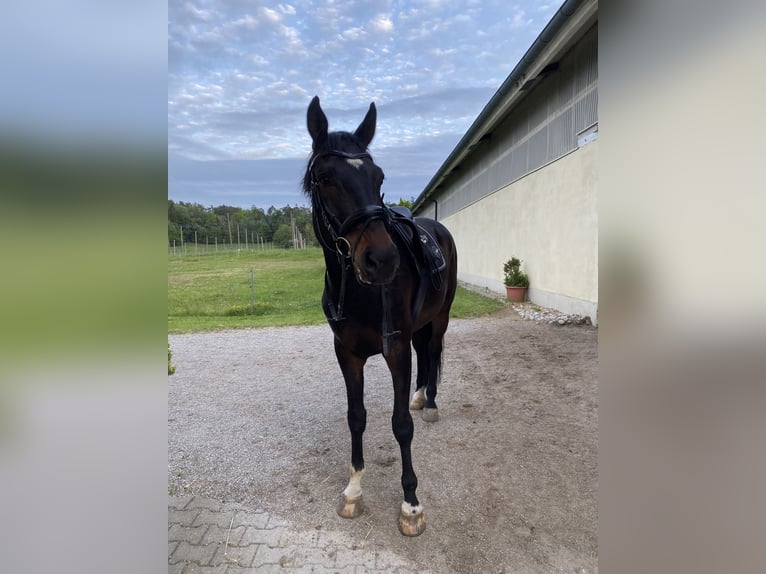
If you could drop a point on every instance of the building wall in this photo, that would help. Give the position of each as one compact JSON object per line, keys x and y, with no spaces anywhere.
{"x":546,"y":125}
{"x":548,"y":218}
{"x":529,"y":190}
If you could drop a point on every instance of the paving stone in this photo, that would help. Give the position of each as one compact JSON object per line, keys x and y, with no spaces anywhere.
{"x":191,"y":534}
{"x":222,"y":519}
{"x":284,"y":557}
{"x":184,"y":517}
{"x":193,"y":553}
{"x":259,"y":542}
{"x":266,"y":569}
{"x":322,"y":570}
{"x":272,"y":537}
{"x":195,"y":569}
{"x":275,"y":521}
{"x":179,"y":502}
{"x":257,"y":519}
{"x":217,"y":534}
{"x":241,"y":556}
{"x":203,"y":503}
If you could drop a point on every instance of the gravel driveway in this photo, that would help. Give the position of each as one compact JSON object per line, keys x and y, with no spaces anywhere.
{"x":508,"y":476}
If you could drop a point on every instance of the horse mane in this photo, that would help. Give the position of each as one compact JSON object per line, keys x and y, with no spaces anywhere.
{"x":343,"y":141}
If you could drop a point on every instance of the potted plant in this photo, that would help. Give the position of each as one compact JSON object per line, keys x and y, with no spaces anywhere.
{"x":516,"y":282}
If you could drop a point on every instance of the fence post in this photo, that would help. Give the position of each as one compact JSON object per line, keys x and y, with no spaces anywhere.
{"x":252,"y":292}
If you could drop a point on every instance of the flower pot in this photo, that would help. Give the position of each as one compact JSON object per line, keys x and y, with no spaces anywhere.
{"x":515,"y":293}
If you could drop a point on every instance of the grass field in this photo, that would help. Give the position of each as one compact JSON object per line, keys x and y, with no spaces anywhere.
{"x":212,"y":291}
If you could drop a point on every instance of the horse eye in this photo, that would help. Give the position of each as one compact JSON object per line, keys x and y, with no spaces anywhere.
{"x":324,"y":178}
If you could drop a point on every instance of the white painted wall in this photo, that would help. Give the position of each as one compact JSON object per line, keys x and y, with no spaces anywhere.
{"x":548,"y":219}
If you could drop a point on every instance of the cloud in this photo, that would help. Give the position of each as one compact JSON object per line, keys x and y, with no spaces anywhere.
{"x":520,"y":20}
{"x":383,"y":23}
{"x":240,"y":76}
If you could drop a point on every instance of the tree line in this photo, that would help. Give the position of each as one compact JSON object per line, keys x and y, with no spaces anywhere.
{"x":226,"y":224}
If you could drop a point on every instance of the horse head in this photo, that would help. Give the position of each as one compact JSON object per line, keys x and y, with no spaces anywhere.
{"x":344,"y":184}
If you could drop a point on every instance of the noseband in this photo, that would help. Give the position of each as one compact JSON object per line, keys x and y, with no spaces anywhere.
{"x":338,"y":229}
{"x":324,"y":221}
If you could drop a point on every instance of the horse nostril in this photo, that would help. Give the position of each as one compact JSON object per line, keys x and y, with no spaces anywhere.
{"x":371,"y":263}
{"x":379,"y":265}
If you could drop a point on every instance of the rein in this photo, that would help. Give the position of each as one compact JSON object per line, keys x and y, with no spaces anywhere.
{"x":329,"y":225}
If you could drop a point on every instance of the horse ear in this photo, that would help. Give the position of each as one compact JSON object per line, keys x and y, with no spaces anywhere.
{"x":366,"y":130}
{"x":317,"y":123}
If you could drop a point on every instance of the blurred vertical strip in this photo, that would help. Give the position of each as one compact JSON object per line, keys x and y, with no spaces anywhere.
{"x":83,"y":190}
{"x":682,"y":311}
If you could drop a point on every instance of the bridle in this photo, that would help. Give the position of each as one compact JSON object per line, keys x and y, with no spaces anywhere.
{"x":331,"y":225}
{"x":325,"y":222}
{"x":331,"y":233}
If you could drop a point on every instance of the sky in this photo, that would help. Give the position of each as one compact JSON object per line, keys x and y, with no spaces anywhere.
{"x":241,"y":75}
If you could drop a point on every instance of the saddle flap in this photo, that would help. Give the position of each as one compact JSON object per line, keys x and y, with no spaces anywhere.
{"x":432,"y":253}
{"x":421,"y":245}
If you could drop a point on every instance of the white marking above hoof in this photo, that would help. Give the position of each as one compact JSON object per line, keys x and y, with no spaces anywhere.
{"x":354,"y":488}
{"x":409,"y":510}
{"x":418,"y":399}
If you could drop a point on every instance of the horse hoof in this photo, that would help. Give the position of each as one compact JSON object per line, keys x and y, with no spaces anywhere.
{"x":417,"y":402}
{"x":350,"y":507}
{"x":412,"y":520}
{"x":430,"y":415}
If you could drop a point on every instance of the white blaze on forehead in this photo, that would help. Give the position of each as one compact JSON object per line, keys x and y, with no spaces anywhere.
{"x":357,"y":163}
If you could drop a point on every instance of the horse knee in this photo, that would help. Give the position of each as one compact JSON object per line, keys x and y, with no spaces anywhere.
{"x":403,"y":427}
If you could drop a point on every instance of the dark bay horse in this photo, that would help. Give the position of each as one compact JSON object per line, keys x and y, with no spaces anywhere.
{"x":390,"y":281}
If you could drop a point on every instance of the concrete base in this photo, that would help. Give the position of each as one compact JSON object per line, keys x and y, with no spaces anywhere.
{"x":563,"y":303}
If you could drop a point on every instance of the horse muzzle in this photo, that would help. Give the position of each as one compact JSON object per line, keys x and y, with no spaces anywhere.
{"x":377,"y":265}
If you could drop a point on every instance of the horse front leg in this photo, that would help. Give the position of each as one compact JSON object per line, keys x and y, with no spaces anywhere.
{"x":352,"y":366}
{"x":412,"y":521}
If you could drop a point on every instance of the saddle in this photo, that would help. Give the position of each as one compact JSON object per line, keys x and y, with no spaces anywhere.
{"x":424,"y":251}
{"x":422,"y":248}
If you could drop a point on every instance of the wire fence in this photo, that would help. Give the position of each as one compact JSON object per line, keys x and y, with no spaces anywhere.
{"x":252,"y":242}
{"x":191,"y":248}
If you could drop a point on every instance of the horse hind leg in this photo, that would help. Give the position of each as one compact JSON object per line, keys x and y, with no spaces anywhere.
{"x":420,"y":342}
{"x":430,"y":410}
{"x":433,"y":354}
